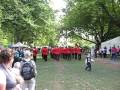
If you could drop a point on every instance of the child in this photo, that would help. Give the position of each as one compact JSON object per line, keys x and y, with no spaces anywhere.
{"x":88,"y":62}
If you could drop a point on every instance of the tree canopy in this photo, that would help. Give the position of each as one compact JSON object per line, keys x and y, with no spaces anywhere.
{"x":93,"y":20}
{"x":33,"y":21}
{"x":30,"y":21}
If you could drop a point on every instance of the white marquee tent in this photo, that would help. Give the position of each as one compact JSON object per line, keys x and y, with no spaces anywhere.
{"x":19,"y":44}
{"x":110,"y":43}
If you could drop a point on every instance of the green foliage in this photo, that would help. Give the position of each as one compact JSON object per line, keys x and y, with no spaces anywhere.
{"x":27,"y":20}
{"x":96,"y":18}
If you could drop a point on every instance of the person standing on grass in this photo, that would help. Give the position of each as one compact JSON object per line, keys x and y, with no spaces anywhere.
{"x":101,"y":52}
{"x":64,"y":53}
{"x":44,"y":53}
{"x":76,"y":54}
{"x":110,"y":50}
{"x":35,"y":52}
{"x":72,"y":52}
{"x":28,"y":71}
{"x":118,"y":51}
{"x":105,"y":52}
{"x":114,"y":53}
{"x":51,"y":52}
{"x":88,"y":62}
{"x":57,"y":53}
{"x":79,"y":50}
{"x":69,"y":53}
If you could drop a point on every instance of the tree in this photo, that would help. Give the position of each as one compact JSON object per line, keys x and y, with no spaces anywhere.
{"x":87,"y":19}
{"x":27,"y":20}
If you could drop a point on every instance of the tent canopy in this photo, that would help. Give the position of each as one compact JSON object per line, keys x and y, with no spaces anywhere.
{"x":110,"y":43}
{"x":19,"y":44}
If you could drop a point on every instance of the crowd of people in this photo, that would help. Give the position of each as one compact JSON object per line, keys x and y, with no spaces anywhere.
{"x":17,"y":69}
{"x":12,"y":62}
{"x":67,"y":53}
{"x":114,"y":52}
{"x":18,"y":65}
{"x":58,"y":53}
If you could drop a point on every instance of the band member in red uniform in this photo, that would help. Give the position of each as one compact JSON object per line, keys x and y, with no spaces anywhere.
{"x":75,"y":50}
{"x":68,"y":53}
{"x":57,"y":53}
{"x":79,"y":50}
{"x":44,"y":53}
{"x":63,"y":52}
{"x":51,"y":53}
{"x":35,"y":52}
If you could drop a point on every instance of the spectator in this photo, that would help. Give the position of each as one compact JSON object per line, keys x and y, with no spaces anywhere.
{"x":29,"y":83}
{"x":114,"y":53}
{"x":101,"y":52}
{"x":105,"y":52}
{"x":118,"y":51}
{"x":110,"y":50}
{"x":7,"y":78}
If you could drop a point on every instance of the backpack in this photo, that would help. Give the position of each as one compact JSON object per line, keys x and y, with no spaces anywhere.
{"x":27,"y":70}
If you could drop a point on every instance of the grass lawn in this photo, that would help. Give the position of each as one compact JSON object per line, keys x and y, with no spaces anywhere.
{"x":70,"y":75}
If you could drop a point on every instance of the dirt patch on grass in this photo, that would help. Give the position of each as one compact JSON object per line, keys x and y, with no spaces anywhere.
{"x":108,"y":63}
